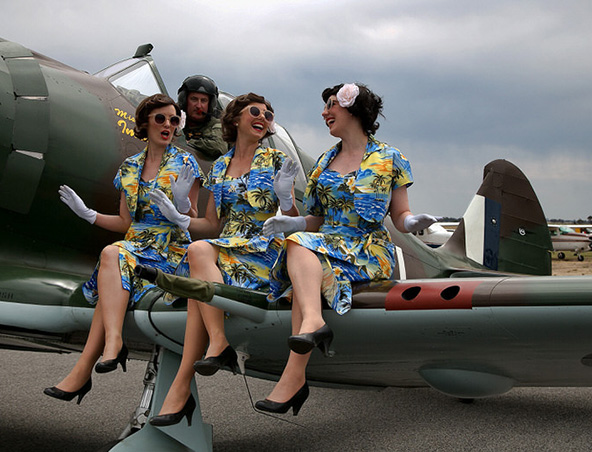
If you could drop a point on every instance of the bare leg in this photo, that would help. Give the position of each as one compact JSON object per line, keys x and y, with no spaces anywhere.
{"x":194,"y":346}
{"x":114,"y":299}
{"x":95,"y":342}
{"x":306,"y":275}
{"x":294,"y":374}
{"x":203,"y":258}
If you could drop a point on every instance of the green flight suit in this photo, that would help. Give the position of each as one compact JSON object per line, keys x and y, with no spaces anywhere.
{"x":206,"y":138}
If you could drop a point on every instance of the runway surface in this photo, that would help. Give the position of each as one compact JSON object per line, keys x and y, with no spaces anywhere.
{"x":393,"y":419}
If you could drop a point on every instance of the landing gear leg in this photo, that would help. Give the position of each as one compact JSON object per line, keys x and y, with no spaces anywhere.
{"x":178,"y":437}
{"x":140,"y":416}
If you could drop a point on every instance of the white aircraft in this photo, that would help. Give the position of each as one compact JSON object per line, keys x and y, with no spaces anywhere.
{"x":565,"y":238}
{"x":575,"y":238}
{"x":435,"y":235}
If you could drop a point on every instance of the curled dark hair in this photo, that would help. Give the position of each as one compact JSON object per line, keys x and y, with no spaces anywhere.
{"x":233,"y":111}
{"x":146,"y":107}
{"x":367,"y":106}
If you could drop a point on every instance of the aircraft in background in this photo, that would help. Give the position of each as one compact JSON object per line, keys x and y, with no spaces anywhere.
{"x":575,"y":238}
{"x":434,"y":236}
{"x":473,"y":318}
{"x":565,"y":238}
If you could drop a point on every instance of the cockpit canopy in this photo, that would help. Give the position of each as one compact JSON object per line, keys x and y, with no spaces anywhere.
{"x":137,"y":78}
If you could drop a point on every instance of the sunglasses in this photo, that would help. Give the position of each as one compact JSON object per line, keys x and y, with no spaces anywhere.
{"x":159,"y":118}
{"x":330,"y":102}
{"x":255,"y":112}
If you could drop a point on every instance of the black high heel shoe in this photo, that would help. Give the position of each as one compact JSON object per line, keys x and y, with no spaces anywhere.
{"x":57,"y":393}
{"x":163,"y":420}
{"x":295,"y":402}
{"x":209,"y":366}
{"x":304,"y":343}
{"x":111,"y":364}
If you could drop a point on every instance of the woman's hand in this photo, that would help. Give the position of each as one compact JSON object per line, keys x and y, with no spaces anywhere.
{"x":281,"y":223}
{"x":417,"y":222}
{"x":283,"y":183}
{"x":74,"y":202}
{"x":181,"y":187}
{"x":168,"y":209}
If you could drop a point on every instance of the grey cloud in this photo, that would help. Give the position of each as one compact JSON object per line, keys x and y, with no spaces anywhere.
{"x":462,"y":81}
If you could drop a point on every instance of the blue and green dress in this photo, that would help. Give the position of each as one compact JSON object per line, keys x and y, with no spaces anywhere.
{"x":244,"y":203}
{"x":352,"y":244}
{"x":151,"y":239}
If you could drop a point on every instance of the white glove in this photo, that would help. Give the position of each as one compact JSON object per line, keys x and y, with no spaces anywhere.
{"x":283,"y":182}
{"x":168,"y":209}
{"x":181,"y":188}
{"x":283,"y":223}
{"x":73,"y":201}
{"x":416,"y":222}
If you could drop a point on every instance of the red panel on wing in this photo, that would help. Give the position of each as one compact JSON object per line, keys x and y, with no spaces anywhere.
{"x":438,"y":294}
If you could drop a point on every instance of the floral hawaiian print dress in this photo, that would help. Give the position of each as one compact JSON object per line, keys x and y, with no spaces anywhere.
{"x":352,"y":243}
{"x":151,"y":239}
{"x":245,"y":203}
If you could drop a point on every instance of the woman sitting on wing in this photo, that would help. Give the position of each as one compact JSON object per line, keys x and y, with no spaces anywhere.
{"x":247,"y":186}
{"x":150,"y":238}
{"x":350,"y":190}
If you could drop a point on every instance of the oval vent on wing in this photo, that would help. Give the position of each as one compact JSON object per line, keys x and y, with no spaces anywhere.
{"x":450,"y":292}
{"x":411,"y":293}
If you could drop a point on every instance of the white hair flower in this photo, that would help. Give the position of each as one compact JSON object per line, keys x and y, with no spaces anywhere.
{"x":346,"y":96}
{"x":271,"y":127}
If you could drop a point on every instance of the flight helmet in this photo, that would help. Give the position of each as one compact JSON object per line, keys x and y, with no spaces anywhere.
{"x":199,"y":84}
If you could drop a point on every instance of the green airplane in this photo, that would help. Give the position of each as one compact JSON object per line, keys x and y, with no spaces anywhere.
{"x":472,"y":318}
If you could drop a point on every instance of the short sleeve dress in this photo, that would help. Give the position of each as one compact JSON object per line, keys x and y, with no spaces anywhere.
{"x":151,"y":239}
{"x":352,"y":244}
{"x":244,"y":203}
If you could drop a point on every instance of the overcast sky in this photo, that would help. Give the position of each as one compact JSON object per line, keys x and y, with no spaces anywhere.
{"x":464,"y":82}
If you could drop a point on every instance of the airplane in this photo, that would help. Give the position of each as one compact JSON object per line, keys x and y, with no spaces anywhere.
{"x":565,"y":238}
{"x":471,"y":319}
{"x":583,"y":228}
{"x":434,"y":235}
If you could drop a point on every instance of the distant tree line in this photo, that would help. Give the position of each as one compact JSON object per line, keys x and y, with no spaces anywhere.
{"x":580,"y":221}
{"x":588,"y":220}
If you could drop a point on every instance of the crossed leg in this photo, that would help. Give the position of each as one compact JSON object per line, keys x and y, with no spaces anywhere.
{"x":203,"y":260}
{"x":107,"y":322}
{"x":306,"y":275}
{"x":202,"y":263}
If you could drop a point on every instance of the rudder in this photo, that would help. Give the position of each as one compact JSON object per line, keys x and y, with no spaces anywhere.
{"x":504,"y":227}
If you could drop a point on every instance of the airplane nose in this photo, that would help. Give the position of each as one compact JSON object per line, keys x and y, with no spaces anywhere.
{"x":23,"y":142}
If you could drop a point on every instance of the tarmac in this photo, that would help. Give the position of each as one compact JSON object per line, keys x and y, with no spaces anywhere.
{"x":391,"y":419}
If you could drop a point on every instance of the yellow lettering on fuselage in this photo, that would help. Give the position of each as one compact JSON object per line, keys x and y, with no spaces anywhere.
{"x":123,"y":122}
{"x":124,"y":114}
{"x":124,"y":128}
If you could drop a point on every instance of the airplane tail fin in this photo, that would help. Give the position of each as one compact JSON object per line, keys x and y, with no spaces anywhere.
{"x":504,"y":227}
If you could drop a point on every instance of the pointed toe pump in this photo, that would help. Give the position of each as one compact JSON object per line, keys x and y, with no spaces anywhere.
{"x":295,"y":403}
{"x":304,"y":343}
{"x":57,"y":393}
{"x":209,"y":366}
{"x":174,"y":418}
{"x":111,"y":364}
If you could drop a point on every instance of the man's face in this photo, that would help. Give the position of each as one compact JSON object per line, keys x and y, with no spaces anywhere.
{"x":197,"y":107}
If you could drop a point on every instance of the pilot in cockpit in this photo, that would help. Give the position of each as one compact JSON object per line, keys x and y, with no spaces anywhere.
{"x":198,"y":98}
